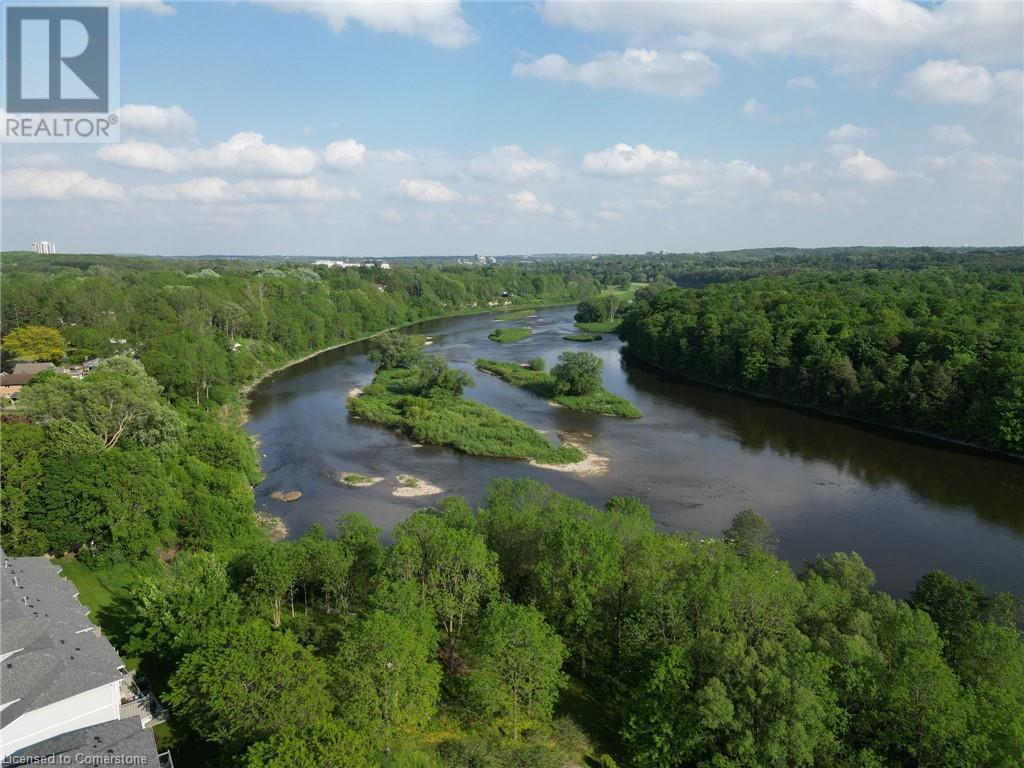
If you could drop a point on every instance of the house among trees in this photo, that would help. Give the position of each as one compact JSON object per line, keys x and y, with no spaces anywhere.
{"x":31,"y":369}
{"x":64,"y":692}
{"x":11,"y":383}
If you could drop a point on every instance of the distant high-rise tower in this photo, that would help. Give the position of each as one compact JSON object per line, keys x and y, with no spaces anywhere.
{"x":44,"y":246}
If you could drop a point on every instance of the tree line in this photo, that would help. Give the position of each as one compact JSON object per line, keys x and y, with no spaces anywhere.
{"x":935,"y":350}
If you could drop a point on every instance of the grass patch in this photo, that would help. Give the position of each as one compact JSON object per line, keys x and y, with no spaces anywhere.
{"x":393,"y":400}
{"x":98,"y":588}
{"x":356,"y":480}
{"x":508,"y":335}
{"x":542,"y":383}
{"x":604,"y":326}
{"x":583,"y":337}
{"x":104,"y":591}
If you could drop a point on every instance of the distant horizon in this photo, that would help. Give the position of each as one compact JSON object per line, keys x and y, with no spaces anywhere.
{"x":584,"y":127}
{"x":510,"y":255}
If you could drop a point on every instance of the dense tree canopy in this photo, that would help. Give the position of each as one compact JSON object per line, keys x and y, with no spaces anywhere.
{"x":246,"y":683}
{"x":940,"y":351}
{"x":395,"y":350}
{"x":35,"y":342}
{"x":118,"y":401}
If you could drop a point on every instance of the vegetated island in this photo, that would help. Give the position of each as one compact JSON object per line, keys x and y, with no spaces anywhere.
{"x":601,"y":314}
{"x":508,"y":335}
{"x":575,"y":383}
{"x":421,"y":396}
{"x":583,"y":337}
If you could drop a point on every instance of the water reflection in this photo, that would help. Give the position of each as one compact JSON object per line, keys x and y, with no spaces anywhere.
{"x":993,"y":489}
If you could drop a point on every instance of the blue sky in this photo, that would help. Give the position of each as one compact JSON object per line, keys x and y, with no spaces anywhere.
{"x":434,"y":128}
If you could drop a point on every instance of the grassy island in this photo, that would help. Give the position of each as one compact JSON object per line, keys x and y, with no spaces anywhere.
{"x":425,"y":402}
{"x":508,"y":335}
{"x":583,"y":337}
{"x":596,"y":399}
{"x":599,"y":326}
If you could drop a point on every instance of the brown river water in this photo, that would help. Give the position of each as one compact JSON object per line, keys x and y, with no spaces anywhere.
{"x":697,"y":457}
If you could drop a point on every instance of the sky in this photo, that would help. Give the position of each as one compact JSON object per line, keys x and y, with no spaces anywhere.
{"x":433,"y":128}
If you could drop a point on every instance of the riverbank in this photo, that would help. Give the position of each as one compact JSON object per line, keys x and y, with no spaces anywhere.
{"x":886,"y":430}
{"x":475,"y":311}
{"x":468,"y":313}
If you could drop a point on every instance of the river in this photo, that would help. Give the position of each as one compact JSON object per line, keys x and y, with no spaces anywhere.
{"x":697,"y":457}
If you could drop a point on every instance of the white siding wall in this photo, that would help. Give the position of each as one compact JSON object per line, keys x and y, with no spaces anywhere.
{"x":100,"y":705}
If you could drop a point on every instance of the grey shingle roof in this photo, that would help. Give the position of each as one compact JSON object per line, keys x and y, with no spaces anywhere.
{"x":59,"y":651}
{"x":96,"y":745}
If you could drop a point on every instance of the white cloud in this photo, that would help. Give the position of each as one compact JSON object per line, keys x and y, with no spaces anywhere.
{"x":688,"y":73}
{"x":951,"y":134}
{"x":707,"y":174}
{"x":700,"y":180}
{"x":345,"y":155}
{"x":243,"y":153}
{"x":850,"y":132}
{"x":426,"y":191}
{"x":439,"y":22}
{"x":950,"y":82}
{"x":389,"y":155}
{"x":34,"y":160}
{"x":348,"y":154}
{"x":201,"y":190}
{"x":156,"y":7}
{"x":48,"y":184}
{"x":212,"y":190}
{"x":145,"y":156}
{"x":969,"y":165}
{"x":627,"y":160}
{"x":527,"y":202}
{"x":511,"y":164}
{"x":857,"y":35}
{"x":752,"y":107}
{"x":857,"y":165}
{"x":249,"y":153}
{"x":149,"y":118}
{"x":803,"y":81}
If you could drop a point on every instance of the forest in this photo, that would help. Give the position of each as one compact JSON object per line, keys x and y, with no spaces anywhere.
{"x":534,"y":630}
{"x":538,"y":631}
{"x":939,"y":351}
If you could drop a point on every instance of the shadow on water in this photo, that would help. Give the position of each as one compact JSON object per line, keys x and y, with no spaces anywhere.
{"x":948,"y":479}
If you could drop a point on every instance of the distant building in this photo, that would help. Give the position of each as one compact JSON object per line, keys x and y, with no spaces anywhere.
{"x":344,"y":264}
{"x":64,"y":691}
{"x":479,"y":260}
{"x":44,"y":246}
